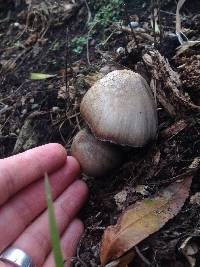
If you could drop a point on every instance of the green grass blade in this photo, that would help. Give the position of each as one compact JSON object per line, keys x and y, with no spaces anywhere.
{"x":53,"y":227}
{"x":40,"y":76}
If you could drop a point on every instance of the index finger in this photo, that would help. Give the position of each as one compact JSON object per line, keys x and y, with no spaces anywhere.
{"x":20,"y":170}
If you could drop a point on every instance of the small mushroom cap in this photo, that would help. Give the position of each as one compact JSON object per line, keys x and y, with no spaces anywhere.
{"x":96,"y":158}
{"x":120,"y":108}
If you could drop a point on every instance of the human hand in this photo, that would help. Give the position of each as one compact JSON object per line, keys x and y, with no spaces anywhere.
{"x":23,"y":214}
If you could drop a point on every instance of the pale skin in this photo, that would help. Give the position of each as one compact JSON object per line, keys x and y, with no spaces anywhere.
{"x":23,"y":214}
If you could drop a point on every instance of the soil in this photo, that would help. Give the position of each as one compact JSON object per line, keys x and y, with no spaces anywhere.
{"x":38,"y":112}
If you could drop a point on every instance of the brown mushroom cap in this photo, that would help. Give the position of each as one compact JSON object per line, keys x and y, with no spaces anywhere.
{"x":120,"y":108}
{"x":95,"y":157}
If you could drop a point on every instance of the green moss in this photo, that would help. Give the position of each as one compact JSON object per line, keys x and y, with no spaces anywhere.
{"x":77,"y":43}
{"x":107,"y":13}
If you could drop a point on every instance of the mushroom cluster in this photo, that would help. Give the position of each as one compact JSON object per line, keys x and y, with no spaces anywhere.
{"x":120,"y":111}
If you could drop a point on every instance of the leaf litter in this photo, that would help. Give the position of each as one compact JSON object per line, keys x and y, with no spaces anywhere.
{"x":143,"y":219}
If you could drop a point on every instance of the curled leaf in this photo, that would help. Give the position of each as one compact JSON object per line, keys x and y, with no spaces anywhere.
{"x":142,"y":219}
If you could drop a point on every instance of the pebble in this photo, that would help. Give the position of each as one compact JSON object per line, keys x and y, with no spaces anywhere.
{"x":134,"y":24}
{"x":120,"y":50}
{"x":55,"y":109}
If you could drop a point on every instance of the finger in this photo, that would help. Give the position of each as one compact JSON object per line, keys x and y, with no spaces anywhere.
{"x":2,"y":264}
{"x":69,"y":243}
{"x":35,"y":240}
{"x":20,"y":170}
{"x":30,"y":202}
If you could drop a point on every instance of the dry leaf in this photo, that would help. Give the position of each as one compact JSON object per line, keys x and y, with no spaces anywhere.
{"x":143,"y":219}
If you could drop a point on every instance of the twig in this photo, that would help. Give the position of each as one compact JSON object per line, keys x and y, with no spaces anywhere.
{"x":108,"y":38}
{"x":88,"y":50}
{"x":160,"y":20}
{"x":67,"y":66}
{"x":134,"y":35}
{"x":78,"y":251}
{"x":129,"y":23}
{"x":167,"y":12}
{"x":60,"y":127}
{"x":7,"y":18}
{"x":192,"y":169}
{"x":142,"y":257}
{"x":27,"y":19}
{"x":179,"y":33}
{"x":66,"y":61}
{"x":5,"y":109}
{"x":88,"y":39}
{"x":14,"y":93}
{"x":89,"y":12}
{"x":88,"y":35}
{"x":153,"y":18}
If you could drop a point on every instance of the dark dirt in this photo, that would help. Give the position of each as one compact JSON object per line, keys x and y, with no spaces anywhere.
{"x":37,"y":112}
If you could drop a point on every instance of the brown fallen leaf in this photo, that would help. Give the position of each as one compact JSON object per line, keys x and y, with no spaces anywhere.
{"x":142,"y":219}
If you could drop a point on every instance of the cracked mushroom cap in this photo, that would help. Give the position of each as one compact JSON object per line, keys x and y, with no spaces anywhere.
{"x":120,"y":108}
{"x":96,"y":158}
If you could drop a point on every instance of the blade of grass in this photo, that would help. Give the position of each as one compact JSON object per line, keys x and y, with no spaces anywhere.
{"x":41,"y":76}
{"x":53,"y":227}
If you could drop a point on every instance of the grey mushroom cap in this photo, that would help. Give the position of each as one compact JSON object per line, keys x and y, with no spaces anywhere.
{"x":96,"y":158}
{"x":120,"y":108}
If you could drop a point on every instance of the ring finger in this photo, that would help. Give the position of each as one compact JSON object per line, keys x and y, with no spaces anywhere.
{"x":35,"y":240}
{"x":69,"y":242}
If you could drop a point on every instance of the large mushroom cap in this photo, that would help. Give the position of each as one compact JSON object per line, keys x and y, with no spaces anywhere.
{"x":120,"y":108}
{"x":95,"y":157}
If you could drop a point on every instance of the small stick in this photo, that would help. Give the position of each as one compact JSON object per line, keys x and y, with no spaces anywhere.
{"x":160,"y":20}
{"x":153,"y":18}
{"x":89,"y":12}
{"x":134,"y":35}
{"x":142,"y":257}
{"x":67,"y":61}
{"x":88,"y":45}
{"x":129,"y":23}
{"x":78,"y":250}
{"x":66,"y":58}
